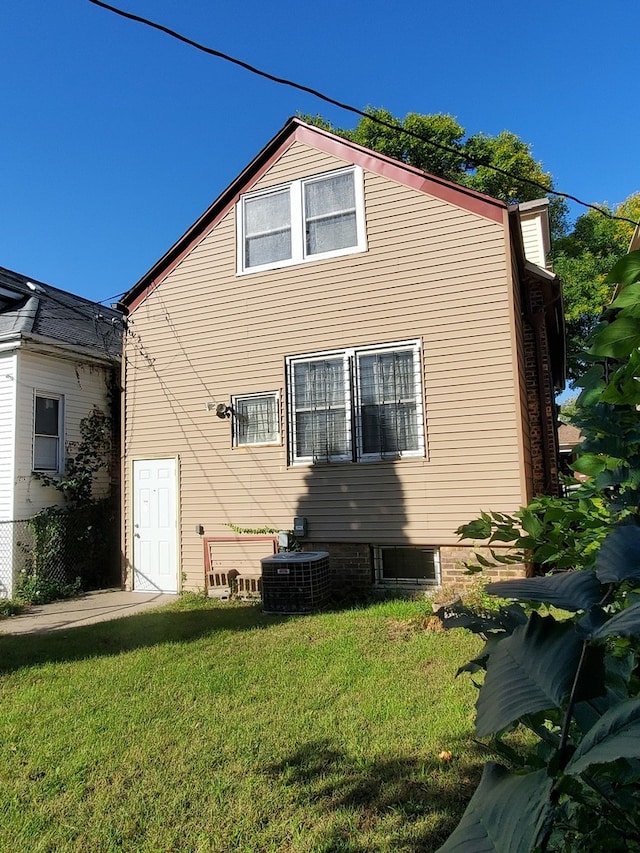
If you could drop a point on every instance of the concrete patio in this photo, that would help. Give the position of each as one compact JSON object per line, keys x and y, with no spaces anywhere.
{"x":92,"y":607}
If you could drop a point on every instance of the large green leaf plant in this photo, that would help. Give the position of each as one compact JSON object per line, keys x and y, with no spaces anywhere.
{"x":562,"y":655}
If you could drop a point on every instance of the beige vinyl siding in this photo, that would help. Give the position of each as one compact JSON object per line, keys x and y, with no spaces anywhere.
{"x":8,"y":377}
{"x":83,"y":386}
{"x":433,"y":272}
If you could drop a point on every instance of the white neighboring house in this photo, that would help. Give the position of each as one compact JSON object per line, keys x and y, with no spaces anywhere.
{"x":58,"y":353}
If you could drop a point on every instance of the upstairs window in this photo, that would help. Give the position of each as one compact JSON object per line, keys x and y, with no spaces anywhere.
{"x":267,"y":229}
{"x":330,"y":215}
{"x":318,"y":217}
{"x":359,"y":404}
{"x":47,"y":434}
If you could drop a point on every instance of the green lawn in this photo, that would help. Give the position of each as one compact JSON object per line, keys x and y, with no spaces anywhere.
{"x":212,"y":727}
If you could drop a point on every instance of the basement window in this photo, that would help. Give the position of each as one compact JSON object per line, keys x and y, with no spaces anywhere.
{"x":406,"y":565}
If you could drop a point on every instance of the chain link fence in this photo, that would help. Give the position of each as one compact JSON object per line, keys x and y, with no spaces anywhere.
{"x":60,"y":546}
{"x":15,"y":539}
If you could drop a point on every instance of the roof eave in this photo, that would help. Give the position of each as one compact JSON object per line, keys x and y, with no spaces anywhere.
{"x":19,"y":340}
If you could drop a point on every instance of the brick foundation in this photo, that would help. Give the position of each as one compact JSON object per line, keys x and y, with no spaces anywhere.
{"x":453,"y":572}
{"x":351,"y":567}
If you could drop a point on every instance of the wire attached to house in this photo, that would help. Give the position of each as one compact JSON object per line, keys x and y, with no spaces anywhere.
{"x":104,"y":327}
{"x":283,"y":81}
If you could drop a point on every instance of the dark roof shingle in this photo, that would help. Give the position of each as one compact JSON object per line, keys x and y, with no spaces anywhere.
{"x":30,"y":308}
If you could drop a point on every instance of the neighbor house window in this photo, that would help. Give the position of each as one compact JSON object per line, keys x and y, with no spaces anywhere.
{"x":307,"y":219}
{"x":47,"y":433}
{"x":255,"y":419}
{"x":406,"y":565}
{"x":358,"y":404}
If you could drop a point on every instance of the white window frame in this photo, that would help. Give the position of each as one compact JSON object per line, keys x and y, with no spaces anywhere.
{"x":380,"y":580}
{"x":48,"y":395}
{"x":292,"y":408}
{"x":404,"y":346}
{"x":353,"y":403}
{"x":236,"y":400}
{"x":299,"y":254}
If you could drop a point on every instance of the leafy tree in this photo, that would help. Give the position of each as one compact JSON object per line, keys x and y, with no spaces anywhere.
{"x":582,"y":255}
{"x":570,"y":672}
{"x":508,"y":152}
{"x":449,"y":155}
{"x":568,"y":410}
{"x":582,"y":258}
{"x":443,"y":129}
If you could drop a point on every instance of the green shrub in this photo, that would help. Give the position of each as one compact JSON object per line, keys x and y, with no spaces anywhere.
{"x":39,"y":589}
{"x":10,"y":607}
{"x":571,"y":677}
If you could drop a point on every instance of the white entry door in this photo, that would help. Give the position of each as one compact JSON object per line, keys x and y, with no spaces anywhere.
{"x":155,"y":558}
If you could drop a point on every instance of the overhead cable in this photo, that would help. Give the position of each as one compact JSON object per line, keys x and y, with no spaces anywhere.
{"x":283,"y":81}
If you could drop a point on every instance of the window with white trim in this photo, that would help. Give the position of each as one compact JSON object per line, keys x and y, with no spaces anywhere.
{"x":255,"y":419}
{"x":406,"y":565}
{"x":47,"y":433}
{"x":360,"y":404}
{"x":307,"y":219}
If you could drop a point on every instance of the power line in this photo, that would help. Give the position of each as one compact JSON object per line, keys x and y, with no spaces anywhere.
{"x":283,"y":81}
{"x":110,"y":299}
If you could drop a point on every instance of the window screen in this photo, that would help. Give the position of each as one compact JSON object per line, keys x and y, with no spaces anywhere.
{"x":330,"y":214}
{"x":256,"y":419}
{"x":320,"y":409}
{"x":267,"y":228}
{"x":388,"y":410}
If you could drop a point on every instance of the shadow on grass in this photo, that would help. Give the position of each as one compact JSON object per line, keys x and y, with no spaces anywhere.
{"x":426,"y":798}
{"x":124,"y":635}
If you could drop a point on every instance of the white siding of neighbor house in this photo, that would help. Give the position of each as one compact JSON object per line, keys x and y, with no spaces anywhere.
{"x":533,"y":240}
{"x":8,"y":368}
{"x":83,"y":386}
{"x":7,"y":432}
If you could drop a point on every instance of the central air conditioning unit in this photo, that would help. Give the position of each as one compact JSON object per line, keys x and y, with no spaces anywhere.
{"x":295,"y":582}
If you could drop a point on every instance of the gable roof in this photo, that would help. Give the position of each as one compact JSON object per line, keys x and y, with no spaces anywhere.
{"x":32,"y":310}
{"x":297,"y":130}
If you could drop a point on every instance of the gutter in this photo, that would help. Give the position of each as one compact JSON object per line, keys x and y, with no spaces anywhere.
{"x":49,"y":346}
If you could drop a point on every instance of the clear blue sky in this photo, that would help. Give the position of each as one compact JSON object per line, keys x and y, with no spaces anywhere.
{"x":114,"y":138}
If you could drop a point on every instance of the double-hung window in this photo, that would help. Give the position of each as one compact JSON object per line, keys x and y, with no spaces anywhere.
{"x":360,"y":404}
{"x":320,"y":416}
{"x":47,"y":433}
{"x":267,"y":229}
{"x":307,"y":219}
{"x":255,"y":419}
{"x":388,"y":402}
